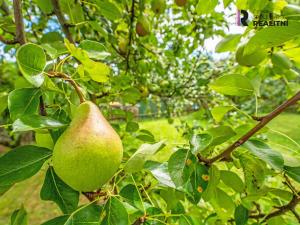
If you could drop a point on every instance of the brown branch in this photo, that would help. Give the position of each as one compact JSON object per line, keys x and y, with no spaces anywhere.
{"x":130,"y":34}
{"x":20,"y":32}
{"x":265,"y":120}
{"x":61,"y":19}
{"x":64,"y":76}
{"x":91,"y":196}
{"x":42,"y":107}
{"x":140,"y":220}
{"x":282,"y":210}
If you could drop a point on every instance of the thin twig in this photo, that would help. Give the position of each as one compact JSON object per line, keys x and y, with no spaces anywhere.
{"x":265,"y":120}
{"x":71,"y":81}
{"x":92,"y":196}
{"x":61,"y":20}
{"x":282,"y":210}
{"x":42,"y":107}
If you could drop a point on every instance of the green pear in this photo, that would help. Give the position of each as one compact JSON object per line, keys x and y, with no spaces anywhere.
{"x":252,"y":59}
{"x":181,"y":2}
{"x":158,"y":6}
{"x":123,"y":46}
{"x":143,"y":26}
{"x":89,"y":152}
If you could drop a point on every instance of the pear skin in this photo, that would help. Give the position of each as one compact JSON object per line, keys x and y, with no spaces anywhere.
{"x":89,"y":152}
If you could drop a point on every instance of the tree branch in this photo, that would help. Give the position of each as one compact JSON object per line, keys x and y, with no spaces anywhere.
{"x":130,"y":34}
{"x":71,"y":81}
{"x":42,"y":107}
{"x":282,"y":210}
{"x":61,"y":19}
{"x":20,"y":32}
{"x":264,"y":121}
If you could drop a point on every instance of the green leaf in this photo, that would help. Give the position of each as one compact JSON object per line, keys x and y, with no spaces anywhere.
{"x":241,"y":215}
{"x":265,"y":153}
{"x":254,"y":173}
{"x":219,"y":112}
{"x":36,"y":122}
{"x":55,"y":49}
{"x":52,"y":36}
{"x":213,"y":181}
{"x":45,"y":5}
{"x":197,"y":183}
{"x":178,"y":167}
{"x":131,"y":194}
{"x":229,"y":43}
{"x":293,"y":172}
{"x":22,"y":163}
{"x":19,"y":217}
{"x":236,"y":85}
{"x":131,"y":95}
{"x":160,"y":172}
{"x":54,"y":189}
{"x":61,"y":220}
{"x":23,"y":101}
{"x":31,"y":59}
{"x":200,"y":142}
{"x":279,"y":59}
{"x":116,"y":213}
{"x":98,"y":71}
{"x":3,"y":102}
{"x":4,"y":188}
{"x":44,"y":139}
{"x":86,"y":214}
{"x":277,"y":220}
{"x":132,"y":126}
{"x":281,"y":194}
{"x":206,"y":6}
{"x":138,"y":159}
{"x":94,"y":49}
{"x":224,"y":201}
{"x":109,"y":9}
{"x":227,"y":2}
{"x":279,"y":36}
{"x":232,"y":180}
{"x":221,"y":134}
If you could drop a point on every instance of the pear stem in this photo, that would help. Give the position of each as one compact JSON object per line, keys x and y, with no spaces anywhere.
{"x":71,"y":81}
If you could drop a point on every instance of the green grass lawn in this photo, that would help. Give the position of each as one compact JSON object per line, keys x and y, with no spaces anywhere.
{"x":283,"y":135}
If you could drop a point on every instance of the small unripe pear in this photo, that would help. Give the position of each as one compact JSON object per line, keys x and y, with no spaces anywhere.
{"x":89,"y":152}
{"x":181,"y":2}
{"x":143,"y":26}
{"x":158,"y":6}
{"x":123,"y":46}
